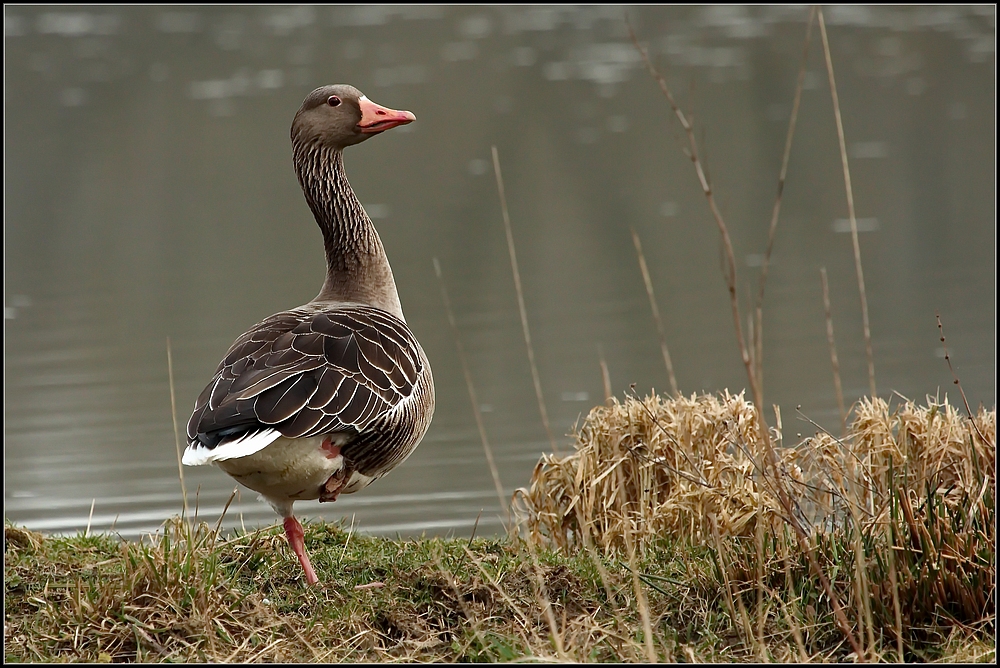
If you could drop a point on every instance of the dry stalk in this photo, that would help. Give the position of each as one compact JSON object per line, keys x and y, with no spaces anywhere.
{"x":543,"y":600}
{"x":733,"y":599}
{"x":177,"y":434}
{"x":90,"y":517}
{"x":792,"y":615}
{"x":520,"y":301}
{"x":640,"y":596}
{"x":765,"y":265}
{"x":759,"y":547}
{"x":893,"y":577}
{"x":850,"y":206}
{"x":833,"y":352}
{"x":605,"y":376}
{"x":218,"y":525}
{"x":730,"y":276}
{"x":730,"y":261}
{"x":656,"y":312}
{"x":494,"y":472}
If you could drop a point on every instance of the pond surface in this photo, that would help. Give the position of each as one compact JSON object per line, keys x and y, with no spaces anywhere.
{"x":149,"y":195}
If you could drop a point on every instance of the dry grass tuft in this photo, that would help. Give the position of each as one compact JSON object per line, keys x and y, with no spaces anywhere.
{"x":683,"y":460}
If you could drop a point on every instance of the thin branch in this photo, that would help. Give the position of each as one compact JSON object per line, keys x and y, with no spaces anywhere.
{"x":729,"y":269}
{"x":692,"y":152}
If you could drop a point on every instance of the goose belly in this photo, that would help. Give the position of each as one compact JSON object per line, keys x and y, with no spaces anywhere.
{"x":289,"y":468}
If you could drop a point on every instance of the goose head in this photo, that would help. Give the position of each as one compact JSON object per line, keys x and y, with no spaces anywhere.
{"x":339,"y":116}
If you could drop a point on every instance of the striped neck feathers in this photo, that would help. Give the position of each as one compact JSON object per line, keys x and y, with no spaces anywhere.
{"x":357,"y":269}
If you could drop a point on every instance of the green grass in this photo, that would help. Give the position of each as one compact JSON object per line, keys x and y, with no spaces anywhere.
{"x":188,"y":596}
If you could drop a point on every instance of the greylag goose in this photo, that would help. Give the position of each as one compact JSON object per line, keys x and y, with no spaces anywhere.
{"x":325,"y":398}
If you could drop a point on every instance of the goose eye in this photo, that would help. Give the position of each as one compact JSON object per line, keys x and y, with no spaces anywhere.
{"x":333,"y":101}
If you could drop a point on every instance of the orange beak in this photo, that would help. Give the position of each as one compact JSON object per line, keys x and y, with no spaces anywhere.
{"x":376,"y":118}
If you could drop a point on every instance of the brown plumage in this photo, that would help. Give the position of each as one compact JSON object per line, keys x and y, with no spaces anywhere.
{"x":325,"y":398}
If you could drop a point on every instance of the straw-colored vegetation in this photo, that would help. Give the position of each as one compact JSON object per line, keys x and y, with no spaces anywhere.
{"x":900,"y":514}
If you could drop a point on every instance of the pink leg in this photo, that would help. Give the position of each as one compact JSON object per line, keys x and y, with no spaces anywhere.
{"x":295,"y":538}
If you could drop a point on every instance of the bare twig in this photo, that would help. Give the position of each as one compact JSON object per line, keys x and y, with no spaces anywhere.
{"x":833,"y":353}
{"x":656,"y":313}
{"x":472,"y":395}
{"x":520,"y":301}
{"x":947,"y":358}
{"x":730,"y":261}
{"x":850,"y":206}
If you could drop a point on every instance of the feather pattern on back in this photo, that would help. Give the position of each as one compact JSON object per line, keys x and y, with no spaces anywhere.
{"x":313,"y":370}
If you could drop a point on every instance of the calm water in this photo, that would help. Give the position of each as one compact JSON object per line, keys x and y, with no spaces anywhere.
{"x":149,"y":194}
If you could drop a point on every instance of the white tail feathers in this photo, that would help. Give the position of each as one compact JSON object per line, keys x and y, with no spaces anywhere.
{"x":197,"y":453}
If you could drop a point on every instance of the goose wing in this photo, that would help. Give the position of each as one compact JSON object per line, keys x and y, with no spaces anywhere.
{"x":302,"y":373}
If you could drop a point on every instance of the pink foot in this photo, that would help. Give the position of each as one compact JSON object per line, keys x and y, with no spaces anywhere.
{"x":296,"y":539}
{"x":334,"y":484}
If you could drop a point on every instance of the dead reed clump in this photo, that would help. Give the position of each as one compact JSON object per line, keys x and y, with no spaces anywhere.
{"x":682,"y":461}
{"x":900,"y":513}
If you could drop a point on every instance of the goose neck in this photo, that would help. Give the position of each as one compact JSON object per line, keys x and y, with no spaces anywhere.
{"x":357,"y":267}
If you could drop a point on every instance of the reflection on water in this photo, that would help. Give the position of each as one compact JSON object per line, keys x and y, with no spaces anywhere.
{"x":149,"y":193}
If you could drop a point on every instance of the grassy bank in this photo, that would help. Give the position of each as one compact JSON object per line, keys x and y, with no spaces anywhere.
{"x":189,"y":598}
{"x":658,"y":538}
